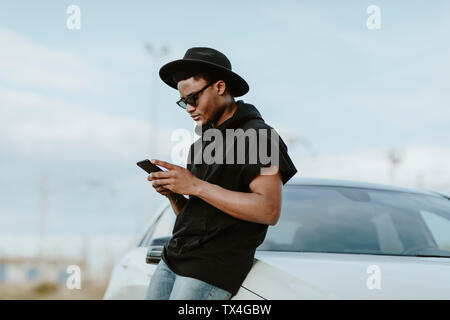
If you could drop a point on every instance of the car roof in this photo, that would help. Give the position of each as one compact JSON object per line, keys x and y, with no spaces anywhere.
{"x":313,"y":181}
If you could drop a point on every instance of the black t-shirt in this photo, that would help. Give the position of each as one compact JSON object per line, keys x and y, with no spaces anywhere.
{"x":207,"y":243}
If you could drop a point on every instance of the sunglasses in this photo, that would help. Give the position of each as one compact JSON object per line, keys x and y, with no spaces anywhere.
{"x":192,"y":98}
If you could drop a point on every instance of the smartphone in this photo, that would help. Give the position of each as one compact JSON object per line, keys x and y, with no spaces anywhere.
{"x":148,"y":166}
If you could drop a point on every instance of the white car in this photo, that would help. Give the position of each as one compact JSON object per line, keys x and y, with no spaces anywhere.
{"x":335,"y":239}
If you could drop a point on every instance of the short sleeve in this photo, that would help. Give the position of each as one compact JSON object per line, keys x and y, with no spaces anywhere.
{"x":273,"y":152}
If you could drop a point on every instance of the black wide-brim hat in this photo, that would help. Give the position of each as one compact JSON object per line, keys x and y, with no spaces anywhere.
{"x":209,"y":60}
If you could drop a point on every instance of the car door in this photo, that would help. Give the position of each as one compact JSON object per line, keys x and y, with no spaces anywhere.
{"x":131,"y":275}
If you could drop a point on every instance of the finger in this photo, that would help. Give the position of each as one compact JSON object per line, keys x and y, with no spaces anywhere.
{"x":160,"y":189}
{"x":162,"y":182}
{"x":163,"y":191}
{"x":163,"y":164}
{"x":161,"y":175}
{"x":155,"y":184}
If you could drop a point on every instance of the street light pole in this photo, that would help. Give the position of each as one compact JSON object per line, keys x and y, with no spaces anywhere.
{"x":43,"y":191}
{"x":395,"y":159}
{"x":154,"y":54}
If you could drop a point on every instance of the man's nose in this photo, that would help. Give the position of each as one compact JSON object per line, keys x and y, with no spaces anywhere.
{"x":190,"y":108}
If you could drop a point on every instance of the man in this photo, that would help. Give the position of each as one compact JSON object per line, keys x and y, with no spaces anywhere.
{"x":229,"y":205}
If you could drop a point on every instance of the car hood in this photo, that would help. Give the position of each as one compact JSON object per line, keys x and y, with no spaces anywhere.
{"x":299,"y":275}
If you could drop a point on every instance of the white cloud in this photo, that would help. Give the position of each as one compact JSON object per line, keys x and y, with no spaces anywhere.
{"x":35,"y":124}
{"x":26,"y":63}
{"x":421,"y":166}
{"x":37,"y":118}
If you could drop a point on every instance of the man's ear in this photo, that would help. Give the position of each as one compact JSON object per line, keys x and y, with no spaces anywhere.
{"x":221,"y":87}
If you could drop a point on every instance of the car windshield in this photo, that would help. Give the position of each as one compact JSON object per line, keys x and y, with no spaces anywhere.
{"x":358,"y":220}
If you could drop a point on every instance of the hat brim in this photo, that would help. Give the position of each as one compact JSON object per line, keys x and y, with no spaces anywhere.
{"x":238,"y":86}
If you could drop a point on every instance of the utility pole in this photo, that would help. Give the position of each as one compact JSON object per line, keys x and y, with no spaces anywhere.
{"x":85,"y":253}
{"x":155,"y":54}
{"x":395,"y":159}
{"x":43,"y":192}
{"x":85,"y":257}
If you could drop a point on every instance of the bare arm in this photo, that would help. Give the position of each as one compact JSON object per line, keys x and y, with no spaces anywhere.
{"x":261,"y":205}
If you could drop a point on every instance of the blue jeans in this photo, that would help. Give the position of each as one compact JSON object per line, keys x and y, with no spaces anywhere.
{"x":167,"y":285}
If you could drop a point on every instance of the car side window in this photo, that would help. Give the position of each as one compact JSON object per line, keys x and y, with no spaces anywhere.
{"x":388,"y":237}
{"x":438,"y":227}
{"x":149,"y":233}
{"x":161,"y":227}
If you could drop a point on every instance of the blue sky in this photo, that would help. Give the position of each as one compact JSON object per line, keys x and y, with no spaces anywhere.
{"x":83,"y":105}
{"x":302,"y":60}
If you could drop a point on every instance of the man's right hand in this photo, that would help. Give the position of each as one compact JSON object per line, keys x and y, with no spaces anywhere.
{"x":164,"y":192}
{"x":161,"y":190}
{"x":177,"y":201}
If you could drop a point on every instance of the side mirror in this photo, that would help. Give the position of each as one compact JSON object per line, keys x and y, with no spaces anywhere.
{"x":155,"y":250}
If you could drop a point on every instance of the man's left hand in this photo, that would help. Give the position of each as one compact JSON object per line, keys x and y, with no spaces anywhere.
{"x":177,"y":179}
